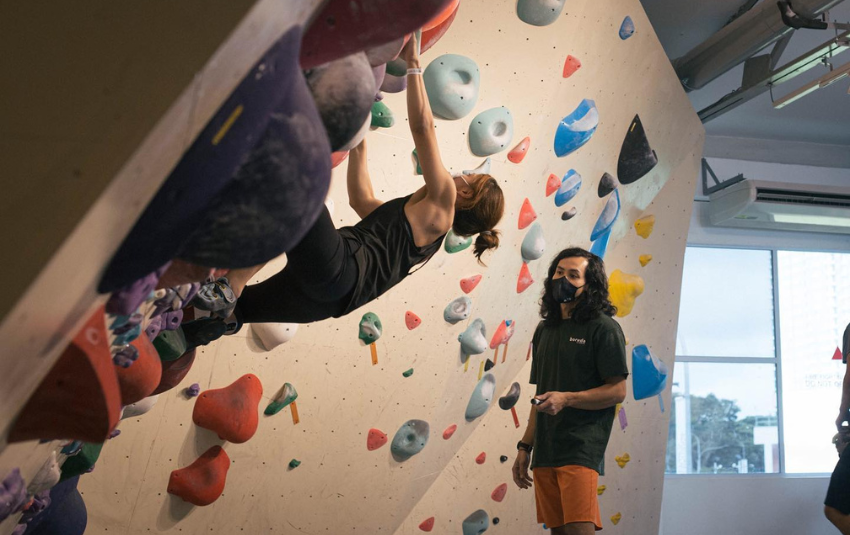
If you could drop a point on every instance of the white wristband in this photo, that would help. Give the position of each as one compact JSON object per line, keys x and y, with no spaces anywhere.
{"x":414,"y":71}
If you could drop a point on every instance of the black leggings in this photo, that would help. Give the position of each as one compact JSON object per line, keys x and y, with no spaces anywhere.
{"x":316,"y":284}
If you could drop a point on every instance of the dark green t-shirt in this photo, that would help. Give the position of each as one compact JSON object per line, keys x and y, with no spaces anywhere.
{"x":573,"y":357}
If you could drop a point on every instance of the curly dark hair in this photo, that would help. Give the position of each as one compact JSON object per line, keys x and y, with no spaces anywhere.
{"x":594,"y":299}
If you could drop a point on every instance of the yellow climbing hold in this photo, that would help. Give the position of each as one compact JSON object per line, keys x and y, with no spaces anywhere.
{"x":644,"y":225}
{"x":622,"y":460}
{"x":645,"y":259}
{"x":615,"y":519}
{"x":624,"y":289}
{"x":600,"y":489}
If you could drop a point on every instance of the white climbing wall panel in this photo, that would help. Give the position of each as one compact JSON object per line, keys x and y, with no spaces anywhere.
{"x":341,"y":487}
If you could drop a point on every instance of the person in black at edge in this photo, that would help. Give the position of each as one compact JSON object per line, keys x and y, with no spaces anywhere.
{"x":837,"y":502}
{"x":332,"y":272}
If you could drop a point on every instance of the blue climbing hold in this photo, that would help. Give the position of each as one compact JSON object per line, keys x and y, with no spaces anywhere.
{"x":409,"y":440}
{"x":491,"y":131}
{"x":476,"y":523}
{"x":539,"y":12}
{"x":627,"y":28}
{"x":600,"y":245}
{"x":452,"y":83}
{"x":607,"y":217}
{"x":481,"y":397}
{"x":570,"y":185}
{"x":649,"y":375}
{"x":576,"y":129}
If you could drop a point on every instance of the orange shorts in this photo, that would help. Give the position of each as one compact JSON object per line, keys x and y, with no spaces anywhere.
{"x":566,"y":494}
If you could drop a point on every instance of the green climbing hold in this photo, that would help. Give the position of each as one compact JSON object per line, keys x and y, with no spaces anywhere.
{"x":286,"y":395}
{"x":370,"y":328}
{"x":82,"y":462}
{"x":416,"y":160}
{"x":170,"y":345}
{"x":382,"y":116}
{"x":454,"y":243}
{"x":294,"y":463}
{"x":408,"y":373}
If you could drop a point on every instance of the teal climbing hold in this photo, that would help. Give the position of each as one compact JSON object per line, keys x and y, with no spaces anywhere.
{"x":539,"y":12}
{"x":473,"y":340}
{"x":454,"y":243}
{"x":533,"y":245}
{"x":476,"y":523}
{"x":170,"y":345}
{"x":607,"y":217}
{"x":577,"y":128}
{"x":481,"y":397}
{"x":570,"y":185}
{"x":627,"y":28}
{"x":491,"y":131}
{"x":382,"y":116}
{"x":294,"y":463}
{"x":370,"y":328}
{"x":458,"y":310}
{"x":452,"y":83}
{"x":409,"y":440}
{"x":407,"y":373}
{"x":649,"y":375}
{"x":286,"y":395}
{"x":418,"y":170}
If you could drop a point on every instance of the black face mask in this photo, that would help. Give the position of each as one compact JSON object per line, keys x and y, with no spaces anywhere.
{"x":563,"y":291}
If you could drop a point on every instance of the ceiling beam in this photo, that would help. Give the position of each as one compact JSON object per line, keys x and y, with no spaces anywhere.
{"x":777,"y":151}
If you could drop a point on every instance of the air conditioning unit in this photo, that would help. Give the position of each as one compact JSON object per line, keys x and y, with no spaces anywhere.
{"x":775,"y":206}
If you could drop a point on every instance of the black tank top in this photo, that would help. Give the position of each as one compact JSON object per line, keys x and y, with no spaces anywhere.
{"x":383,"y":247}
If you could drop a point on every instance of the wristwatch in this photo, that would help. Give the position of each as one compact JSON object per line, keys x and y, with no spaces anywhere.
{"x":523,"y":446}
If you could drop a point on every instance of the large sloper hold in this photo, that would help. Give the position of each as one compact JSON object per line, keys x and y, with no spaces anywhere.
{"x":649,"y":375}
{"x":473,"y":340}
{"x":481,"y":397}
{"x":230,"y":412}
{"x":202,"y":482}
{"x":455,"y":243}
{"x":272,"y":335}
{"x":491,"y":131}
{"x":539,"y":12}
{"x":624,"y":288}
{"x":608,"y":216}
{"x":452,"y":82}
{"x":410,"y":439}
{"x":344,"y":91}
{"x":510,"y":399}
{"x":437,"y":28}
{"x":79,"y":398}
{"x":139,"y":380}
{"x":277,"y":194}
{"x":577,"y":128}
{"x":458,"y":310}
{"x":476,"y":523}
{"x":344,"y":27}
{"x":636,"y":156}
{"x":533,"y":245}
{"x":211,"y":161}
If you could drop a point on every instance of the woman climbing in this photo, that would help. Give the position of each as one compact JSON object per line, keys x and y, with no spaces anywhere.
{"x":334,"y":271}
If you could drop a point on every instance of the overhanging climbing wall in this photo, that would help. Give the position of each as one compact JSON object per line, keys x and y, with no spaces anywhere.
{"x":341,"y":486}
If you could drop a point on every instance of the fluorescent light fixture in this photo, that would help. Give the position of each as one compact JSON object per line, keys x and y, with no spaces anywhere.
{"x":825,"y":80}
{"x":812,"y":219}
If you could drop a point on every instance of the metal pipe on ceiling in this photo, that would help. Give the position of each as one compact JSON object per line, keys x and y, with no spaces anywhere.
{"x":746,"y":35}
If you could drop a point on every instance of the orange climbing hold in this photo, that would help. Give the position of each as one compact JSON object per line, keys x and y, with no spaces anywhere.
{"x":376,"y":439}
{"x":481,"y":458}
{"x":432,"y":35}
{"x":427,"y":524}
{"x":450,"y":430}
{"x":338,"y":157}
{"x":837,"y":355}
{"x":517,"y":154}
{"x":527,"y":215}
{"x":469,"y":283}
{"x":552,"y":184}
{"x":141,"y":378}
{"x":79,"y":398}
{"x":412,"y":320}
{"x":499,"y":492}
{"x":524,"y":280}
{"x":571,"y":66}
{"x":442,"y":16}
{"x":202,"y":482}
{"x":231,"y":412}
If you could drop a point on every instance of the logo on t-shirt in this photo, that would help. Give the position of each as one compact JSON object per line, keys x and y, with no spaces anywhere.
{"x":578,"y":340}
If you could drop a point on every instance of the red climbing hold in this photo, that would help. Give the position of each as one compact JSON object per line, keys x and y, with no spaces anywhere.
{"x":338,"y":157}
{"x":837,"y":355}
{"x":552,"y":184}
{"x":376,"y":439}
{"x":430,"y":36}
{"x":427,"y":524}
{"x":481,"y":458}
{"x":202,"y":482}
{"x":450,"y":430}
{"x":141,"y":378}
{"x":79,"y":398}
{"x":524,"y":280}
{"x":571,"y":66}
{"x":232,"y":412}
{"x":499,"y":492}
{"x":517,"y":154}
{"x":502,"y":335}
{"x":174,"y":371}
{"x":412,"y":320}
{"x":527,"y":215}
{"x":468,"y":284}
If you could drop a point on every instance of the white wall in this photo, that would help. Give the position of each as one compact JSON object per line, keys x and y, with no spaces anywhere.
{"x":753,"y":504}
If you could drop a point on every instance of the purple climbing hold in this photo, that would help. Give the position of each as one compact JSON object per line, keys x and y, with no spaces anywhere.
{"x":154,"y":327}
{"x":171,"y":320}
{"x":394,"y":84}
{"x":125,"y":300}
{"x":114,"y":433}
{"x":193,"y":390}
{"x":125,"y":356}
{"x":13,"y":494}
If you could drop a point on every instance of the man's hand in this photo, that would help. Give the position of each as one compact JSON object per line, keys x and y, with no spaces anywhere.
{"x":410,"y":52}
{"x":520,"y":470}
{"x":554,"y":402}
